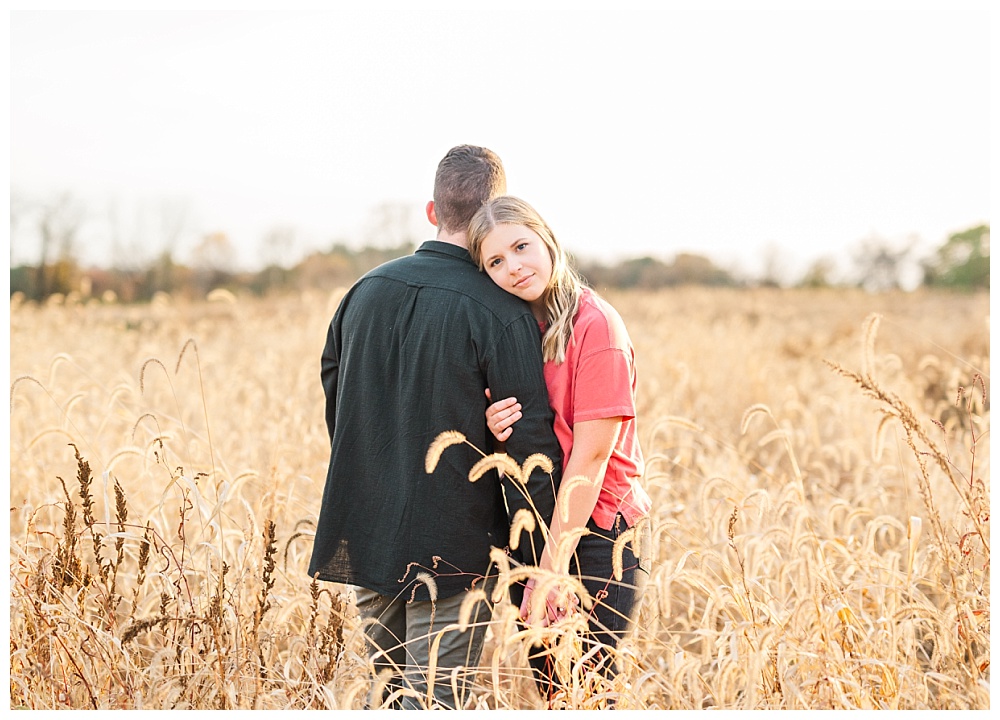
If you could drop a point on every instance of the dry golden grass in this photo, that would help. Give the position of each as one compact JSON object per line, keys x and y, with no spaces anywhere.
{"x":818,"y":462}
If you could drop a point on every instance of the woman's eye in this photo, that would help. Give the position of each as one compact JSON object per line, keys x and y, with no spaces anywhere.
{"x":494,"y":262}
{"x":521,"y":246}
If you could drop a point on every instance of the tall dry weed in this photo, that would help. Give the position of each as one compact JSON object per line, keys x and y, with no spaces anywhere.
{"x":820,"y":533}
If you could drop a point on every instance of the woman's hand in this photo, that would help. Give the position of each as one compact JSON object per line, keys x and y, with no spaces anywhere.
{"x":501,"y":416}
{"x":558,"y":605}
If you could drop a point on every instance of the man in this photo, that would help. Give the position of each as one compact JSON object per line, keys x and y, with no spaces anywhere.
{"x":409,"y":354}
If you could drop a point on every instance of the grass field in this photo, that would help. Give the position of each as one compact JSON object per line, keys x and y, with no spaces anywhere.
{"x":818,"y":461}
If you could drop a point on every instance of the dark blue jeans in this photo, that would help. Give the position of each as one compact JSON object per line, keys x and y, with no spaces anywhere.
{"x":616,"y":602}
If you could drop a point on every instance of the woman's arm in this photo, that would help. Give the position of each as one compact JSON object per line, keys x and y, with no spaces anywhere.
{"x":583,"y":476}
{"x":593,"y":442}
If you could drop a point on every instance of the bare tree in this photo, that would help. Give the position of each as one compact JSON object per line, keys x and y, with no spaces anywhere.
{"x":276,"y":251}
{"x":277,"y":246}
{"x":214,"y":259}
{"x":20,"y":210}
{"x":881,"y":264}
{"x":136,"y":243}
{"x":59,"y":221}
{"x":392,"y":224}
{"x":775,"y":270}
{"x":175,"y":215}
{"x":124,"y":238}
{"x":143,"y":244}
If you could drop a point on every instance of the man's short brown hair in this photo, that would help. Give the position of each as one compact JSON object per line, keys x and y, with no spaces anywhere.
{"x":466,"y":178}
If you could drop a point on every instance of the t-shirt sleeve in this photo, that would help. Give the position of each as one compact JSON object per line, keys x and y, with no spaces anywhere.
{"x":603,"y":387}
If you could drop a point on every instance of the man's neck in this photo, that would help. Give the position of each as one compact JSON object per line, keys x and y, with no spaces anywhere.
{"x":458,"y":238}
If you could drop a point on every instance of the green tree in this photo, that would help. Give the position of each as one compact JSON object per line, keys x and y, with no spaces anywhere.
{"x":819,"y":274}
{"x":963,"y":262}
{"x":692,"y":269}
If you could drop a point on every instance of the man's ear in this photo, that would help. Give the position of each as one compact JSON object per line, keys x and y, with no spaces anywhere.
{"x":431,"y":214}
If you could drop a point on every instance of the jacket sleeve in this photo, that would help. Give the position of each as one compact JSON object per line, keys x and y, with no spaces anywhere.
{"x":330,"y":372}
{"x":516,"y":371}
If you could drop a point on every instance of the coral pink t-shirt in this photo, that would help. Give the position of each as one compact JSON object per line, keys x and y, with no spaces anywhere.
{"x":597,"y":380}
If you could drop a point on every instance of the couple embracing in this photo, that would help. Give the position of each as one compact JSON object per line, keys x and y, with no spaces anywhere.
{"x":486,"y":330}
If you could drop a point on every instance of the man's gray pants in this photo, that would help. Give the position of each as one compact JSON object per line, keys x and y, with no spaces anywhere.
{"x":400,"y":635}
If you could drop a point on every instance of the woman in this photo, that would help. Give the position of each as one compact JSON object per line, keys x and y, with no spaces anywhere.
{"x":590,"y":375}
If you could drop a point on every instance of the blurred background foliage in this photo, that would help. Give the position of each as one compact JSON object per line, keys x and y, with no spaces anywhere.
{"x":145,"y":259}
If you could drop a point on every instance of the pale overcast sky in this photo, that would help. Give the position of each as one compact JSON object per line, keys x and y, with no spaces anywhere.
{"x":635,"y":128}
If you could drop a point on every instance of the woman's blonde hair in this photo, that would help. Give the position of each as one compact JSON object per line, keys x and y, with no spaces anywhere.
{"x":562,"y":296}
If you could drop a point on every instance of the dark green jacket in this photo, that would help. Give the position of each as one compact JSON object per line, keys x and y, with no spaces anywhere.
{"x":408,"y":355}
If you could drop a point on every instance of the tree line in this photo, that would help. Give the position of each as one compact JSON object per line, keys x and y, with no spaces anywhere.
{"x":961,"y":262}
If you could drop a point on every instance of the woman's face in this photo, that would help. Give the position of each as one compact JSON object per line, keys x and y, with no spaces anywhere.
{"x":517,"y":260}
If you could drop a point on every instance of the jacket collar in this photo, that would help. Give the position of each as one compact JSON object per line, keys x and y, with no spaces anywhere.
{"x":436,"y":246}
